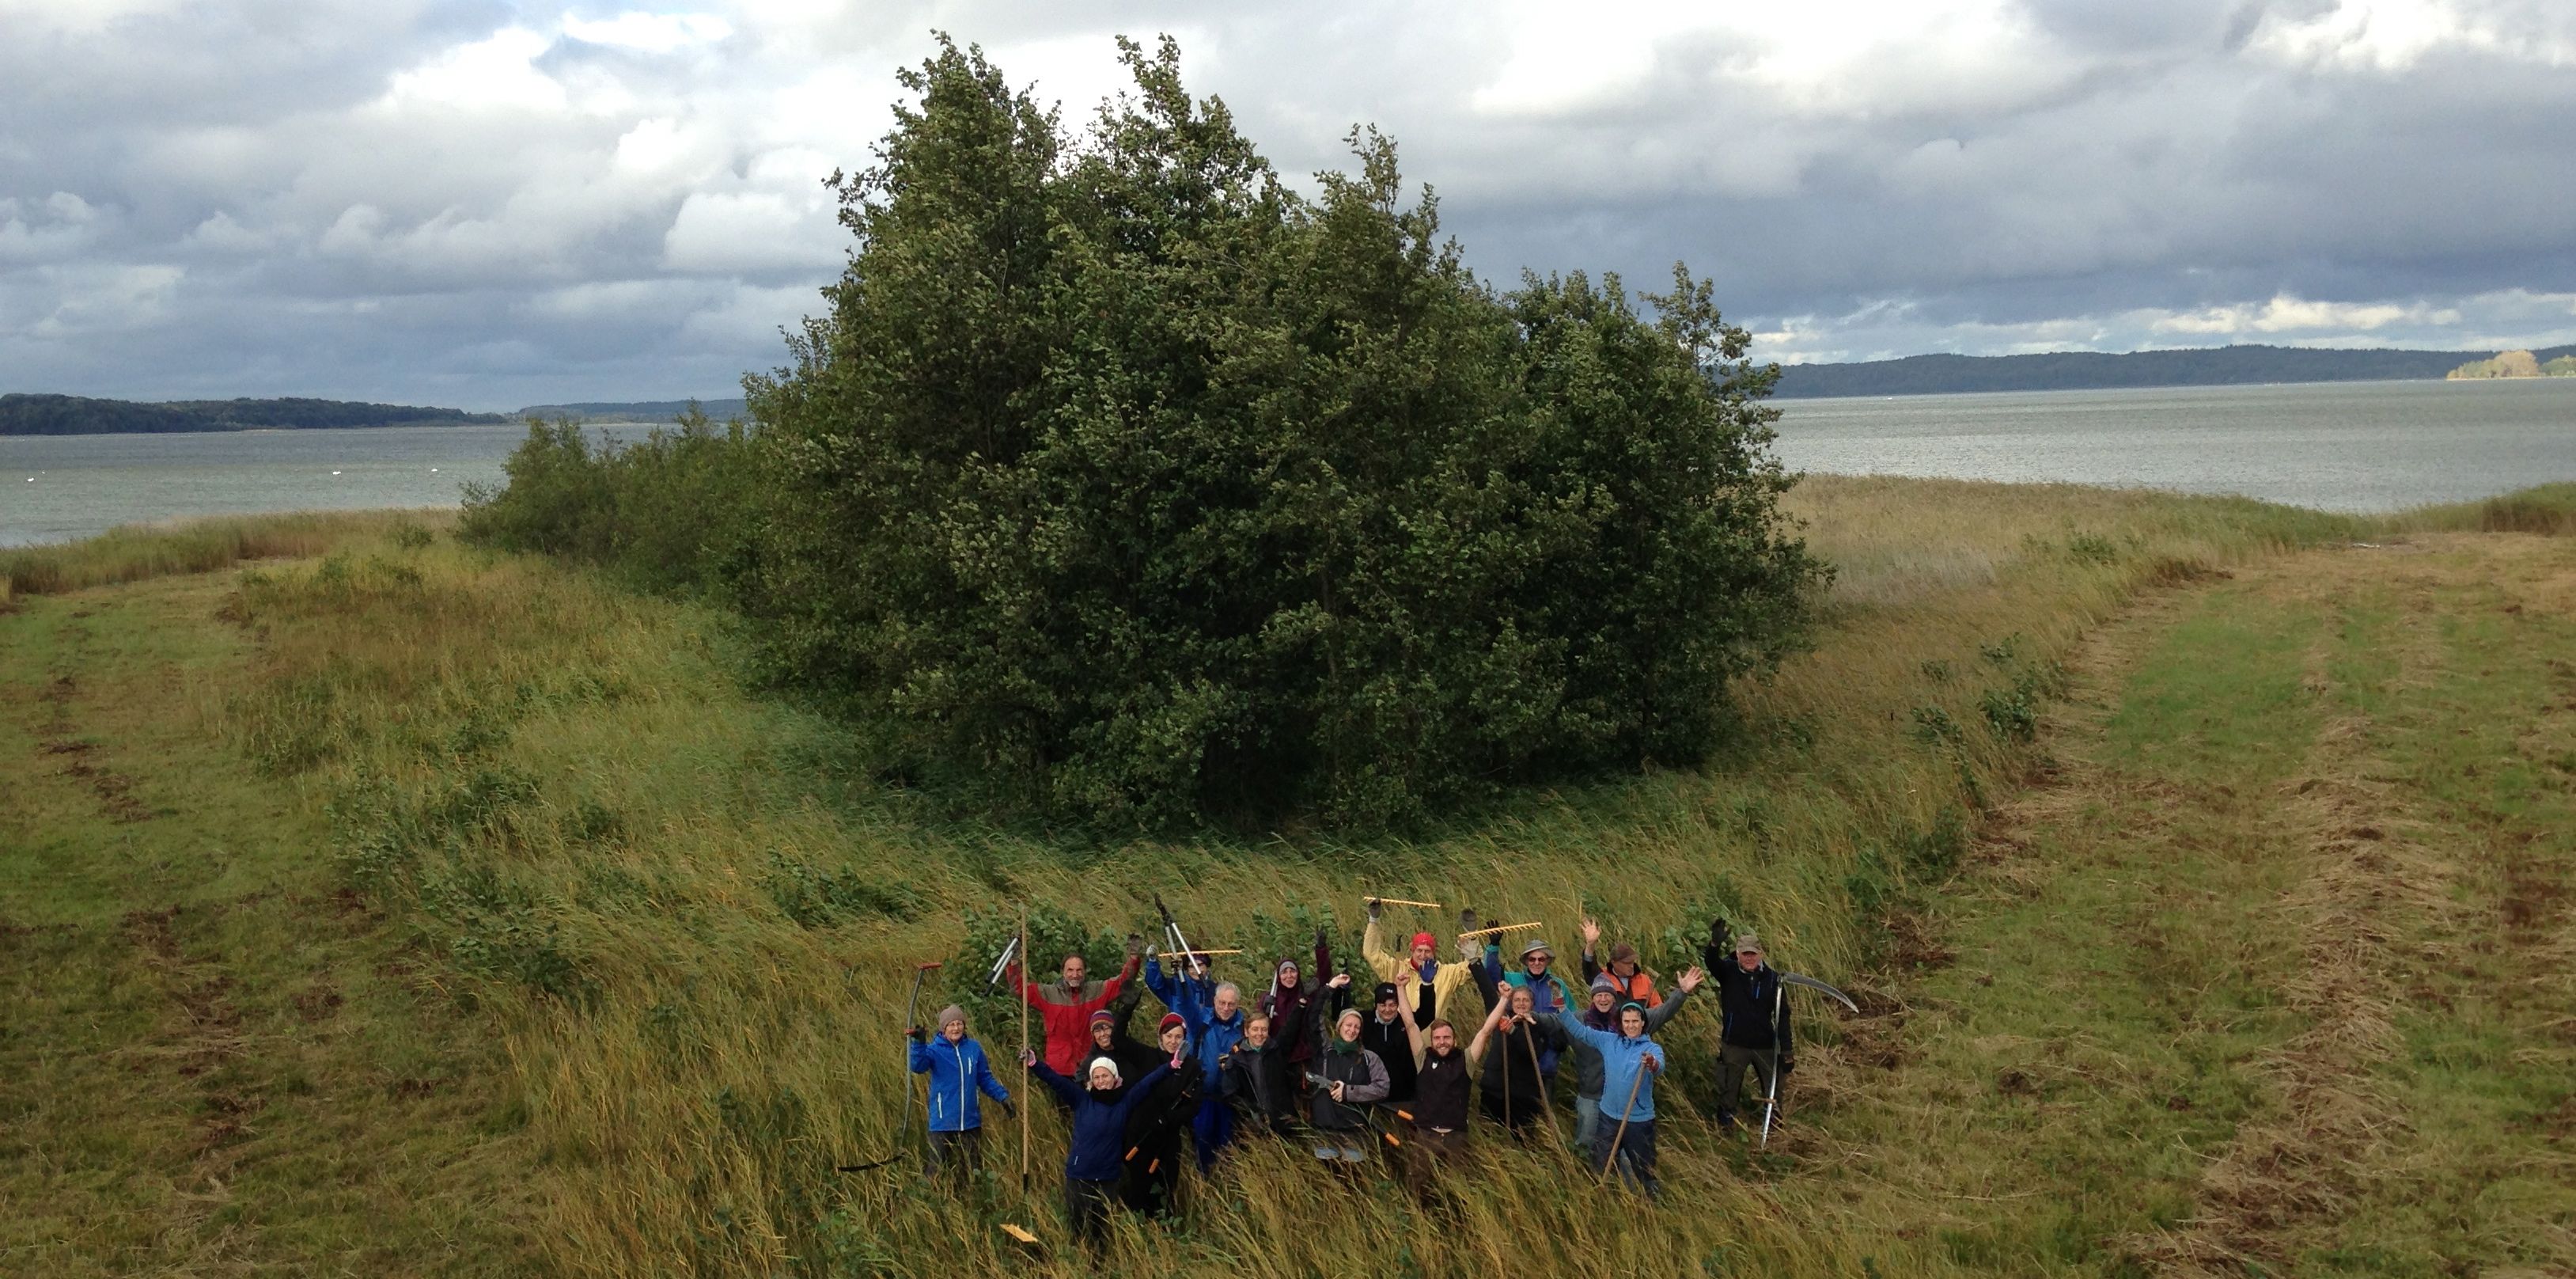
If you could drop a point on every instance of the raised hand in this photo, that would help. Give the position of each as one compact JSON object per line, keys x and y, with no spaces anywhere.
{"x":1339,"y":981}
{"x":1591,"y":934}
{"x":913,"y":1033}
{"x":1371,"y":903}
{"x":1691,"y":978}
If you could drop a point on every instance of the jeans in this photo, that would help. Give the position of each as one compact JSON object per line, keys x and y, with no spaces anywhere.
{"x":1587,"y":1121}
{"x":1636,"y":1153}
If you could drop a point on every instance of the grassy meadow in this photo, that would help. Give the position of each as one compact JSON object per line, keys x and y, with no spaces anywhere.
{"x":376,"y":904}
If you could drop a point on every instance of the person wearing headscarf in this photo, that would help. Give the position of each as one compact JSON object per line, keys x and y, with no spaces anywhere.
{"x":1290,"y":1003}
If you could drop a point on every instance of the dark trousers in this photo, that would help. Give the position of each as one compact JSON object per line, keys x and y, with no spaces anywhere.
{"x":1636,"y":1153}
{"x":963,"y":1151}
{"x":1423,"y":1154}
{"x":1086,"y":1208}
{"x":1732,"y":1062}
{"x":1153,"y":1174}
{"x":1525,"y":1112}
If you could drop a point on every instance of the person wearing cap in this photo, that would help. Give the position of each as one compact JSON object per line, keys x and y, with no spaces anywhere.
{"x":1602,"y":1013}
{"x":1093,"y":1162}
{"x":958,"y":1071}
{"x":1537,"y":975}
{"x":1626,"y":977}
{"x":1214,"y":1014}
{"x":1345,"y":1078}
{"x":1390,"y":1034}
{"x":1153,"y":1132}
{"x":1752,"y":1020}
{"x":1064,"y":1006}
{"x":1424,"y":987}
{"x":1109,"y":1038}
{"x":1630,"y":1061}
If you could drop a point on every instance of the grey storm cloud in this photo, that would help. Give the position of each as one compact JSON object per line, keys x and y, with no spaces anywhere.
{"x":491,"y":204}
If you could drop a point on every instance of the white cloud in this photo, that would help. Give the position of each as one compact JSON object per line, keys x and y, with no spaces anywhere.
{"x":2286,"y":314}
{"x":498,"y":71}
{"x":650,"y":32}
{"x":747,"y":232}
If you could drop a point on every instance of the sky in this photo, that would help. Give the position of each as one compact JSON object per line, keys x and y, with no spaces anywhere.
{"x":489,"y":205}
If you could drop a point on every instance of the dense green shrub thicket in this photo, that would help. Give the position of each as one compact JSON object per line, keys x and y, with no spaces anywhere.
{"x":1123,"y":478}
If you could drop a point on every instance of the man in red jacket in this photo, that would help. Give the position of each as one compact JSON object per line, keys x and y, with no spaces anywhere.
{"x":1065,"y":1006}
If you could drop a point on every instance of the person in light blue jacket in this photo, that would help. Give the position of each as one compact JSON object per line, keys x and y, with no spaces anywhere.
{"x":958,"y":1072}
{"x":1629,"y":1063}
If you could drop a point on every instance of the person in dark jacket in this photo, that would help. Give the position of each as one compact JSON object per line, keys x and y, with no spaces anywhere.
{"x":1626,"y":975}
{"x":1441,"y":1100}
{"x":1515,"y":1087}
{"x":1391,"y":1035}
{"x":1109,"y":1039}
{"x":1256,"y":1081}
{"x":1290,"y":1003}
{"x":1214,"y":1011}
{"x":958,"y":1071}
{"x":1100,"y":1109}
{"x":1345,"y":1079}
{"x":1154,"y":1129}
{"x":1752,"y":1020}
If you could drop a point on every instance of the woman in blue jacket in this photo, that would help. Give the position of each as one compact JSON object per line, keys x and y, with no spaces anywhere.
{"x":957,"y":1071}
{"x":1096,"y":1155}
{"x":1629,"y":1063}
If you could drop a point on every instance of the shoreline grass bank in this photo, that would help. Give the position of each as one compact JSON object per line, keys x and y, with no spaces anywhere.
{"x":624,"y":945}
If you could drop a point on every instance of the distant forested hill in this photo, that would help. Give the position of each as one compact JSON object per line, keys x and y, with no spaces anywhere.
{"x":635,"y":411}
{"x":2093,"y":370}
{"x":78,"y":415}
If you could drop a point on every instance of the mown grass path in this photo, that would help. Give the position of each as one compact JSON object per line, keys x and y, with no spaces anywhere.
{"x":2271,"y":974}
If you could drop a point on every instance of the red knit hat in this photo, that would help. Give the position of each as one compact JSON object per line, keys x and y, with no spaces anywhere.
{"x":1169,"y":1020}
{"x":1425,"y":939}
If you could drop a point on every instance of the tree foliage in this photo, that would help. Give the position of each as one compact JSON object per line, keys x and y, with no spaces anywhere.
{"x":1120,"y":473}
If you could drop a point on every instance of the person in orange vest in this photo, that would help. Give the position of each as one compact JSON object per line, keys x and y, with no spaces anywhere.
{"x":1632,"y":982}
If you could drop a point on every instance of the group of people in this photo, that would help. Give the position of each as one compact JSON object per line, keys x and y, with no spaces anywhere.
{"x":1400,"y":1071}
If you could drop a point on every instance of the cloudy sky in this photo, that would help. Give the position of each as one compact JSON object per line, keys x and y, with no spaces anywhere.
{"x":492,"y":204}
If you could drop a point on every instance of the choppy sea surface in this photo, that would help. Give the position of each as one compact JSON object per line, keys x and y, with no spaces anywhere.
{"x":2371,"y":446}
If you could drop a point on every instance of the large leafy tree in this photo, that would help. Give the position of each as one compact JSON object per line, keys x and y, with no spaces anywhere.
{"x":1121,"y":474}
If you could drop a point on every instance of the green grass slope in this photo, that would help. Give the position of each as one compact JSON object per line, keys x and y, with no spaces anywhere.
{"x":399,"y":908}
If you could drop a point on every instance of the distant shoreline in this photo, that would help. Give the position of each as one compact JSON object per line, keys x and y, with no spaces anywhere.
{"x":2138,"y":370}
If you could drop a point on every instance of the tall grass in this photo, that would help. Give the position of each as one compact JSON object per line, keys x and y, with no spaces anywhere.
{"x":615,"y":850}
{"x":137,"y":552}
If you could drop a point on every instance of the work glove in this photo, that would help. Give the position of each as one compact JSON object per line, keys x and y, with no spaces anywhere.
{"x":1717,"y":932}
{"x":1135,"y":944}
{"x":1010,"y":1108}
{"x":1149,"y":954}
{"x":1372,"y":908}
{"x":915,"y":1034}
{"x":1788,"y":1066}
{"x":1321,"y":938}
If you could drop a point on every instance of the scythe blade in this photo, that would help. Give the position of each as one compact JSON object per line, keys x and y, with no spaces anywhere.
{"x":1811,"y":983}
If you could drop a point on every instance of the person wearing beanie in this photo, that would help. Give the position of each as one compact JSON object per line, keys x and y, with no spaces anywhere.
{"x":1630,"y":1061}
{"x":1424,"y":987}
{"x":1109,"y":1038}
{"x":1345,"y":1078}
{"x":1153,"y":1134}
{"x":1626,"y":976}
{"x":1100,"y":1108}
{"x":1064,"y":1006}
{"x":1602,"y":1014}
{"x":958,"y":1071}
{"x":1214,"y":1014}
{"x":1752,"y":1020}
{"x":1391,"y":1035}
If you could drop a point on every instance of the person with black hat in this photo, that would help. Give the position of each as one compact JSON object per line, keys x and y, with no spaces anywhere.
{"x":958,"y":1071}
{"x":1391,"y":1035}
{"x":1752,"y":1020}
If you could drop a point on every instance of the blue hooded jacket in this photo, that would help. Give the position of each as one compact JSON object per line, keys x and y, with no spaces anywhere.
{"x":1211,"y":1036}
{"x":1621,"y":1059}
{"x":957,"y":1071}
{"x":1098,"y":1149}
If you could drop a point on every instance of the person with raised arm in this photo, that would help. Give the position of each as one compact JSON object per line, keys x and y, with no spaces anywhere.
{"x":1214,"y":1014}
{"x":1508,"y":1048}
{"x":1154,"y":1128}
{"x":1424,"y":987}
{"x":1629,"y":1063}
{"x":1603,"y":1014}
{"x":1093,"y":1157}
{"x":1064,"y":1006}
{"x":1752,"y":1020}
{"x":1256,"y":1081}
{"x":1547,"y":990}
{"x":1626,"y":976}
{"x":1442,"y":1097}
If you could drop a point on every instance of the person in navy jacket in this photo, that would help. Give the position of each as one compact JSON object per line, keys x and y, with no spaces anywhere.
{"x":958,"y":1072}
{"x":1096,"y":1155}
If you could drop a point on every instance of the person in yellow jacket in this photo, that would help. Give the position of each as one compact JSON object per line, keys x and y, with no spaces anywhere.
{"x":1426,"y":990}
